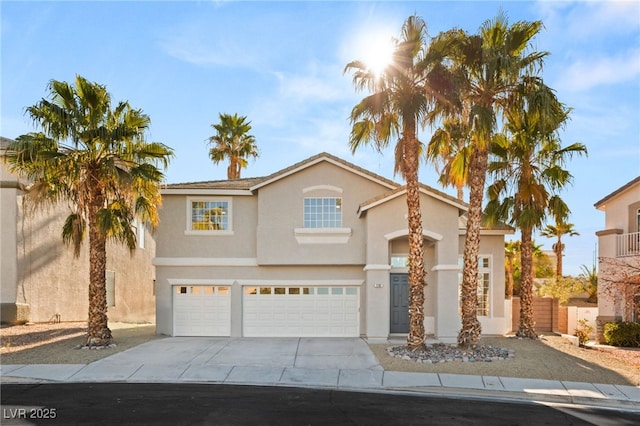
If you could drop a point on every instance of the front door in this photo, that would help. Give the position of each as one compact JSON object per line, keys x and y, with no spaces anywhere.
{"x":399,"y":303}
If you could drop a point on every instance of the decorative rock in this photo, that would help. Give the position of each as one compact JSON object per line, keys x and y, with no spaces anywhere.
{"x":451,"y":353}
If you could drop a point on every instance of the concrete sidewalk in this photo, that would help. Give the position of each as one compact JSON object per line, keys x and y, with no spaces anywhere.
{"x":346,"y":364}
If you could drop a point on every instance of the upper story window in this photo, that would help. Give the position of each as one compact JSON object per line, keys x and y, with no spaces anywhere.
{"x":209,"y":216}
{"x":323,"y":212}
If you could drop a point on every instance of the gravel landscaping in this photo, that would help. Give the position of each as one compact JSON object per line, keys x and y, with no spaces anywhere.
{"x":552,"y":357}
{"x":58,"y":343}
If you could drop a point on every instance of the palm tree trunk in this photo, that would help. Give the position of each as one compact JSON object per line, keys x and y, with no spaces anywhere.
{"x":230,"y":169}
{"x":98,"y":333}
{"x":417,"y":274}
{"x":527,"y":324}
{"x":509,"y":268}
{"x":559,"y":258}
{"x":470,"y":332}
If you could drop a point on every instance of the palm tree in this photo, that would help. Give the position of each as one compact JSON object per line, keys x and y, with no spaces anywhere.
{"x":511,"y":256}
{"x":528,"y":171}
{"x":400,"y":100}
{"x":449,"y":145}
{"x":234,"y":142}
{"x":561,"y":228}
{"x":589,"y":276}
{"x":489,"y":66}
{"x":94,"y":157}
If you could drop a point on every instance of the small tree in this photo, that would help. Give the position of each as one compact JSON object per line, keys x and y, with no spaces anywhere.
{"x":620,"y":281}
{"x":561,"y":289}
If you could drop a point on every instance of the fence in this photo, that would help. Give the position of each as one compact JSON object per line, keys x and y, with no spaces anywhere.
{"x":550,"y":317}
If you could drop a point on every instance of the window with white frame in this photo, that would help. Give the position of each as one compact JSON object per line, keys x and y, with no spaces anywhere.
{"x":209,"y":215}
{"x":484,"y":284}
{"x":138,"y":228}
{"x":323,"y":212}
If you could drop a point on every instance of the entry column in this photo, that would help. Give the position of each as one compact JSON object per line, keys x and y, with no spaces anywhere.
{"x":378,"y":299}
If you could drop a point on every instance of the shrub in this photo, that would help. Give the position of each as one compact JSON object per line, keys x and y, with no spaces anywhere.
{"x":626,"y":334}
{"x":583,"y":331}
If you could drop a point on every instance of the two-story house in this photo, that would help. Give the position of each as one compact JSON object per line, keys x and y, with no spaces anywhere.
{"x":317,"y":249}
{"x":42,"y":281}
{"x":619,"y":255}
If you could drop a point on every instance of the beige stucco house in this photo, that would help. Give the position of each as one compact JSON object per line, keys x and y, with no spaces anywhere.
{"x":41,"y":281}
{"x":317,"y":249}
{"x":619,"y":253}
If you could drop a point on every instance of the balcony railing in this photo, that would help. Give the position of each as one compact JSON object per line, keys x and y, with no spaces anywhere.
{"x":628,"y":244}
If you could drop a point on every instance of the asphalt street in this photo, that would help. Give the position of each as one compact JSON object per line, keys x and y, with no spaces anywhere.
{"x":196,"y":404}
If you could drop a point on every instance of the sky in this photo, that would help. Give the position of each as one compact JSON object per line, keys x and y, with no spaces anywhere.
{"x":281,"y":65}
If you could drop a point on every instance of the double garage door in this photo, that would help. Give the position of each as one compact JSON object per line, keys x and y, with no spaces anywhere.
{"x":268,"y":311}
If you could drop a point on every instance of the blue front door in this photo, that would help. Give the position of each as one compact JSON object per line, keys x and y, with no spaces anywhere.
{"x":399,"y":303}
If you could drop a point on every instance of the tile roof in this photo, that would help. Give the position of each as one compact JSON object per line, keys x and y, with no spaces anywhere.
{"x":243,"y":183}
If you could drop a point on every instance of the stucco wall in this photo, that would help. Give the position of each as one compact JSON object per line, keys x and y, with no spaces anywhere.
{"x":54,"y":284}
{"x":280,"y":213}
{"x":620,"y":218}
{"x":12,"y":309}
{"x":617,"y":214}
{"x":171,"y":240}
{"x":386,"y":230}
{"x":237,"y":277}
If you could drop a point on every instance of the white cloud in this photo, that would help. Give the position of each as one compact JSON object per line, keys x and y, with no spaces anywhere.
{"x":580,"y":20}
{"x":585,"y":74}
{"x":194,"y":48}
{"x":307,"y":87}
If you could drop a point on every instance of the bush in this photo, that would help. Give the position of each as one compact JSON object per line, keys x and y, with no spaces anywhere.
{"x":626,"y":334}
{"x":583,"y":331}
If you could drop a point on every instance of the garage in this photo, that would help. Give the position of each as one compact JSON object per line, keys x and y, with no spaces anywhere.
{"x":200,"y":310}
{"x":297,"y":311}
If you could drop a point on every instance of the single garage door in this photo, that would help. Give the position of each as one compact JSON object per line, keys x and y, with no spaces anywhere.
{"x":201,"y":310}
{"x":272,"y":311}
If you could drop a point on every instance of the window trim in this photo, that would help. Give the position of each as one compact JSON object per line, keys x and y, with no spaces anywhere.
{"x":339,"y":203}
{"x":189,"y":224}
{"x":322,"y":235}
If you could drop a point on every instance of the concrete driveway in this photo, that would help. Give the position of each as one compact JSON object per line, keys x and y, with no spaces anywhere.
{"x":310,"y":353}
{"x":313,"y":361}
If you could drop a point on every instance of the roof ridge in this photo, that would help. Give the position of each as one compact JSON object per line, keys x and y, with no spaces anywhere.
{"x":216,"y":180}
{"x":623,"y":188}
{"x":300,"y":164}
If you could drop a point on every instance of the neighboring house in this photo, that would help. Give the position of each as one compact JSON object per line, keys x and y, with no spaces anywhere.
{"x":317,"y":249}
{"x":619,"y":254}
{"x":41,"y":281}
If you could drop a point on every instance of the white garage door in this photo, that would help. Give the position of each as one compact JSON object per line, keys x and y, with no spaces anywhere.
{"x":201,"y":310}
{"x":300,"y":311}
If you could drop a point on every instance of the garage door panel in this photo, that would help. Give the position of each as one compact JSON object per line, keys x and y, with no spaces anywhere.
{"x":294,"y":312}
{"x":201,"y":311}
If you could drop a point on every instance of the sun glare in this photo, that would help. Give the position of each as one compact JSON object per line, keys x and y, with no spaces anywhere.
{"x":378,"y":53}
{"x":372,"y":44}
